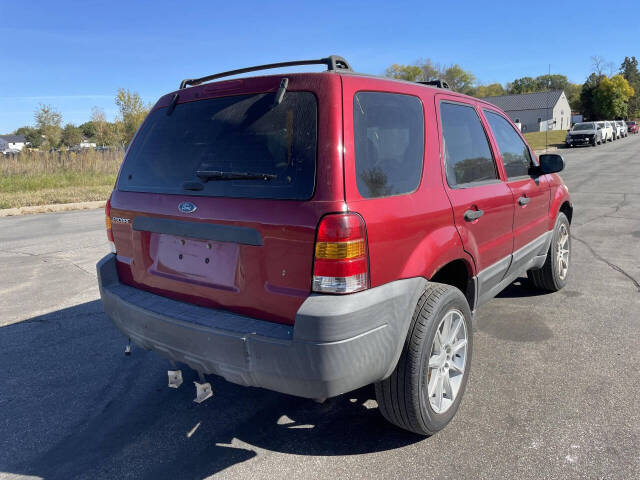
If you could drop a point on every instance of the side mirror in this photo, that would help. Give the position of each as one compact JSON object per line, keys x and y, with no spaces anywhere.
{"x":551,"y":163}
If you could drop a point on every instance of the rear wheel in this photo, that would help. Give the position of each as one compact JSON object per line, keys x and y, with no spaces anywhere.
{"x":424,"y":391}
{"x":555,"y":271}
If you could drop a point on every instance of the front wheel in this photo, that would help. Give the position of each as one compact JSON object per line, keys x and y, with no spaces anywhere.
{"x":555,"y":271}
{"x":424,"y":391}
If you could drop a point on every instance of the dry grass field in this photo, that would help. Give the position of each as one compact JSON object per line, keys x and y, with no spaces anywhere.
{"x":40,"y":178}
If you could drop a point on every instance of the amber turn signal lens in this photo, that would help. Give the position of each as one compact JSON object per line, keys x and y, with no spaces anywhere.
{"x":340,"y":250}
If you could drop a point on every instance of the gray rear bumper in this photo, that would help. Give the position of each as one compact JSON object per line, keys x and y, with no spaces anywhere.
{"x":338,"y":344}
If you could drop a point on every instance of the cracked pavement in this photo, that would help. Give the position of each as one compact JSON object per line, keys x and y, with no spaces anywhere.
{"x":553,"y":392}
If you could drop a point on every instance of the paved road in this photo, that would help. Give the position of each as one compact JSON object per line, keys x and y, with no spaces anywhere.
{"x":553,"y":393}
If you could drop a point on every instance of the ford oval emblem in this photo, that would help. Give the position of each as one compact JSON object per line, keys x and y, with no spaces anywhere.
{"x":187,"y":207}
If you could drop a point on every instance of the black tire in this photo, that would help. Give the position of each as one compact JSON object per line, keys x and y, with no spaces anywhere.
{"x":548,"y":277}
{"x":403,"y":397}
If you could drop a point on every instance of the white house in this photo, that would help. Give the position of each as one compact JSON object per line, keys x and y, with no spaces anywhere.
{"x":536,"y":111}
{"x":12,"y":143}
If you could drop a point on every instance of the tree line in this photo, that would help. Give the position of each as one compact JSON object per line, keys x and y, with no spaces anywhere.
{"x":607,"y":92}
{"x":49,"y":133}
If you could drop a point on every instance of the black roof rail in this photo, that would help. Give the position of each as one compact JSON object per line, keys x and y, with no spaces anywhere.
{"x":333,"y":63}
{"x":437,"y":83}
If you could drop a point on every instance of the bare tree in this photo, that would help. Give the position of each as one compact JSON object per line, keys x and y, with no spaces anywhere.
{"x":599,"y":65}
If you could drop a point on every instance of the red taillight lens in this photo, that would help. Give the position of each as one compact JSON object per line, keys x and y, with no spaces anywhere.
{"x":107,"y":221}
{"x":341,"y":262}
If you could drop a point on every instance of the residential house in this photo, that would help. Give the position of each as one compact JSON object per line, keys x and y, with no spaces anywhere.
{"x":12,"y":143}
{"x":536,"y":112}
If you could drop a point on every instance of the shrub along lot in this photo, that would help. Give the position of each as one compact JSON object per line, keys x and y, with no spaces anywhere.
{"x":40,"y":178}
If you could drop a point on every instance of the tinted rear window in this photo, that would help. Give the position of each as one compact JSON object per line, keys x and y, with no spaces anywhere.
{"x":388,"y":131}
{"x":239,"y":134}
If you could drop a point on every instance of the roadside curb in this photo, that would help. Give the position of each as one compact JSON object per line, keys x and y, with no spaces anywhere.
{"x":543,"y":150}
{"x":57,"y":207}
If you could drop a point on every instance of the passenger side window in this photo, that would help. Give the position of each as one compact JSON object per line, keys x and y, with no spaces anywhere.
{"x":515,"y":153}
{"x":388,"y":131}
{"x":467,"y":156}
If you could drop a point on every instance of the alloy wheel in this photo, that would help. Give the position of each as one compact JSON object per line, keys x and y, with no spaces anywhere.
{"x":562,"y":252}
{"x":447,"y":361}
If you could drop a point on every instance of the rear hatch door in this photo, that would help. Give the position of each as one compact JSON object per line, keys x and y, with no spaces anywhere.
{"x":219,"y":196}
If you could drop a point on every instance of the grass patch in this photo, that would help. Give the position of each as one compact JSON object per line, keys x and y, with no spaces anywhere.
{"x":55,"y":195}
{"x":41,"y":178}
{"x":537,"y":140}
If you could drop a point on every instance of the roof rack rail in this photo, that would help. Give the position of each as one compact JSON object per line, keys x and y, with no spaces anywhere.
{"x":333,"y":63}
{"x":437,"y":83}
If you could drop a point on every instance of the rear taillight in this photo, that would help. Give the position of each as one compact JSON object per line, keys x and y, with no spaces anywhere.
{"x":107,"y":220}
{"x":341,"y":262}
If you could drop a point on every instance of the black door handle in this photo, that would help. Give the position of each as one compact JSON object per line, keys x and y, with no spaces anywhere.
{"x":471,"y":215}
{"x":523,"y":201}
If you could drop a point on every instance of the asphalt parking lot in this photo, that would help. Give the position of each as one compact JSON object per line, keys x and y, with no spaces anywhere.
{"x":554,"y":388}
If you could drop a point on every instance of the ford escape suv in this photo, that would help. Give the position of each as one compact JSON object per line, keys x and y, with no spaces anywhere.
{"x":313,"y":233}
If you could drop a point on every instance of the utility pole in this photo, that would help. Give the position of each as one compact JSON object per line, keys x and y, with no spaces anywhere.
{"x":546,"y":132}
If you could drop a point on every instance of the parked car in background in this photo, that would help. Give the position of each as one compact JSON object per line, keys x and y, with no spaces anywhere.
{"x":586,"y":133}
{"x":607,"y":131}
{"x":617,"y":133}
{"x":623,"y":128}
{"x":314,"y":237}
{"x":632,"y":127}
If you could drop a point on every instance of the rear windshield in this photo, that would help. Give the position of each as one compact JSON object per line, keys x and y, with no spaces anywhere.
{"x":238,"y":146}
{"x":583,"y":126}
{"x":631,"y":123}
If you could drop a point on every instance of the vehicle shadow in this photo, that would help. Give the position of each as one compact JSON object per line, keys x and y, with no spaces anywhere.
{"x":521,"y":288}
{"x":74,"y":406}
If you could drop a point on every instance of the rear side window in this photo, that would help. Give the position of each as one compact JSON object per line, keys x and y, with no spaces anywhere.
{"x":467,"y":155}
{"x":238,"y":146}
{"x":515,"y":153}
{"x":388,"y":131}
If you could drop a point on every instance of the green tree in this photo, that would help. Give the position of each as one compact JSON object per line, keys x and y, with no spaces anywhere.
{"x":612,"y":97}
{"x":492,"y":90}
{"x":459,"y":80}
{"x":572,"y":91}
{"x":104,"y":134}
{"x":31,"y":135}
{"x":550,"y":82}
{"x":88,"y":129}
{"x":48,"y":121}
{"x":71,"y":135}
{"x":522,"y":85}
{"x":629,"y":70}
{"x":132,"y":113}
{"x":411,"y":73}
{"x":589,"y":108}
{"x":421,"y":71}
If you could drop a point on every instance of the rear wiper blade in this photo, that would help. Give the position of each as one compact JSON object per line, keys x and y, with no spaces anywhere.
{"x":221,"y":175}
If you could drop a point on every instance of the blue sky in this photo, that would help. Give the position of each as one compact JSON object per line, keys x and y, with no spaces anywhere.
{"x":74,"y":55}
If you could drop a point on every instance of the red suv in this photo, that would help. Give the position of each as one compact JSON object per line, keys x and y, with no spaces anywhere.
{"x":312,"y":233}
